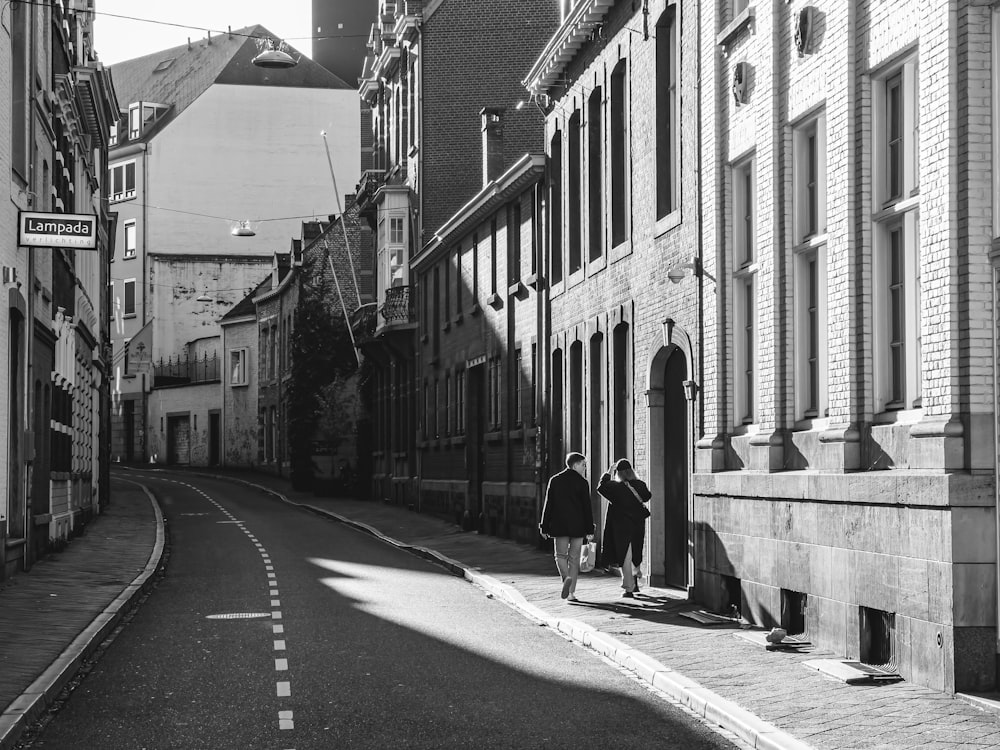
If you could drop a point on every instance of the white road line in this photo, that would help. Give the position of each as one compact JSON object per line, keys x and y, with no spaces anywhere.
{"x":268,"y":567}
{"x":281,"y":665}
{"x":285,"y":720}
{"x":279,"y":645}
{"x":274,"y":592}
{"x":276,"y":615}
{"x":276,"y":602}
{"x":271,"y":575}
{"x":278,"y":629}
{"x":284,"y":689}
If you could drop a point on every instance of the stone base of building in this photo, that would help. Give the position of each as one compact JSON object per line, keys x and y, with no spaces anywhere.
{"x":897,"y":567}
{"x":507,"y":509}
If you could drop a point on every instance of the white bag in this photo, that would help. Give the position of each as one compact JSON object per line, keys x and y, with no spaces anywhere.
{"x":588,"y":557}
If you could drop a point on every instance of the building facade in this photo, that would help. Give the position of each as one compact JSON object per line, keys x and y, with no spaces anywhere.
{"x":340,"y":34}
{"x":53,"y":333}
{"x":213,"y":157}
{"x":845,"y":474}
{"x":427,"y":87}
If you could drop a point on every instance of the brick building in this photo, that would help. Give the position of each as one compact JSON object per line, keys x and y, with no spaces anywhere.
{"x":479,"y":452}
{"x":57,"y":105}
{"x":619,"y":87}
{"x":427,"y":78}
{"x":845,"y":482}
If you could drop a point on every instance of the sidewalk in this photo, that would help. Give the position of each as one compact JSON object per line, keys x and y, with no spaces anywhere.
{"x":55,"y":615}
{"x":767,"y":698}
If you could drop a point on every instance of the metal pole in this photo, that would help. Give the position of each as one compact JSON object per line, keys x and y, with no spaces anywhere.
{"x":343,"y":224}
{"x":347,"y":317}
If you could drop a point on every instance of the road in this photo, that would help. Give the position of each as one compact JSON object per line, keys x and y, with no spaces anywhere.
{"x":275,"y":628}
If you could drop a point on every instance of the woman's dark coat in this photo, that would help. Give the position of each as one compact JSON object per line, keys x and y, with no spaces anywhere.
{"x":567,"y":509}
{"x":626,"y":520}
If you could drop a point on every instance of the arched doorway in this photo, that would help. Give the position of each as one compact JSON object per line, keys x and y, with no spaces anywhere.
{"x":675,"y":469}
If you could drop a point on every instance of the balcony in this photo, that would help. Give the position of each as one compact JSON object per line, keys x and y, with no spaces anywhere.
{"x":398,"y":308}
{"x":363,"y":322}
{"x":371,"y":182}
{"x":181,"y":370}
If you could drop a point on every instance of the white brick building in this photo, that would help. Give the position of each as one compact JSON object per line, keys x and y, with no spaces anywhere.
{"x":844,"y":479}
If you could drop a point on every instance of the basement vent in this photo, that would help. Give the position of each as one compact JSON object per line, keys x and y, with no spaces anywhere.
{"x":878,"y":638}
{"x":793,"y":612}
{"x":732,"y":596}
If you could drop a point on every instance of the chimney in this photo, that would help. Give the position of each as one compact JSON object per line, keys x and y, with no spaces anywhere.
{"x":492,"y":143}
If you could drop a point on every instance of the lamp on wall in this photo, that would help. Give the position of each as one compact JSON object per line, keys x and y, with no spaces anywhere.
{"x":677,"y":273}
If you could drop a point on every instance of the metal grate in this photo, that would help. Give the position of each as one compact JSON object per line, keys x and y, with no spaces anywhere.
{"x":878,"y":638}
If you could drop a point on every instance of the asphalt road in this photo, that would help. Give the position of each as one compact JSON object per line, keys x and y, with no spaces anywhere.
{"x":275,"y":628}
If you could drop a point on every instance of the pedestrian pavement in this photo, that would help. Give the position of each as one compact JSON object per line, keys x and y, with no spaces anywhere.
{"x":54,"y":616}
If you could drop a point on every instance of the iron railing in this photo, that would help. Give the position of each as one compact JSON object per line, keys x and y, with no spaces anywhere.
{"x":398,"y":306}
{"x":183,"y":370}
{"x":363,"y":321}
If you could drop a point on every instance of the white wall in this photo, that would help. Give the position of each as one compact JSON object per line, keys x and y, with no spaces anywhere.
{"x":250,"y":152}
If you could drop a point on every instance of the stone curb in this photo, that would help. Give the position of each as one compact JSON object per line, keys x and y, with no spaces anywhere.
{"x":41,"y":693}
{"x":705,"y":703}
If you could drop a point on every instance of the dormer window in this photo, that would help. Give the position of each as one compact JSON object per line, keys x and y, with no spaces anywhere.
{"x":141,"y":115}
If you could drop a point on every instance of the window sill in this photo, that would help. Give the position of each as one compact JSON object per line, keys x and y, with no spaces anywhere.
{"x":128,"y":376}
{"x":597,"y":265}
{"x":494,"y":301}
{"x":666,"y":223}
{"x":424,"y":338}
{"x":517,"y":434}
{"x":457,"y":440}
{"x":810,"y":243}
{"x":129,"y":257}
{"x":533,"y":280}
{"x":734,"y":28}
{"x":621,"y":250}
{"x":517,"y":290}
{"x":128,"y":316}
{"x":557,"y":288}
{"x":494,"y":437}
{"x":446,"y":326}
{"x":475,"y":309}
{"x":811,"y":424}
{"x":897,"y":209}
{"x":457,"y":320}
{"x":899,"y":416}
{"x":414,"y":150}
{"x":231,"y":385}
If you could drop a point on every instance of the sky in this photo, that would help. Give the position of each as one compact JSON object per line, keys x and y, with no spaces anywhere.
{"x":117,"y":39}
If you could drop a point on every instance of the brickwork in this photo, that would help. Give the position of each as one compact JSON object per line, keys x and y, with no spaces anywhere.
{"x":239,"y":406}
{"x":786,"y":503}
{"x":192,"y":403}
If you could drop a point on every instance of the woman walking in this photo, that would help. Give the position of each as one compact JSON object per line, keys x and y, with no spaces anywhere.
{"x":627,"y":516}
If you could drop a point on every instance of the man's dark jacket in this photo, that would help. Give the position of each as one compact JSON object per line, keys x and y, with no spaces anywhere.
{"x":567,"y":509}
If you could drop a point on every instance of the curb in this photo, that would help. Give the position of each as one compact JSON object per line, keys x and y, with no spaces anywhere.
{"x":41,"y":693}
{"x":705,"y":703}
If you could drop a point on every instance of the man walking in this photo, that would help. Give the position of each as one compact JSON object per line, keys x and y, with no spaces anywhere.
{"x":568,"y":518}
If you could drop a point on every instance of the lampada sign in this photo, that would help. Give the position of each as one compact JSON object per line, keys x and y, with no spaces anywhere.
{"x":77,"y":231}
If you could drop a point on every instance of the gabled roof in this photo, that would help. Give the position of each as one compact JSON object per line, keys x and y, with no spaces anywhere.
{"x":225,"y":59}
{"x":246,"y":306}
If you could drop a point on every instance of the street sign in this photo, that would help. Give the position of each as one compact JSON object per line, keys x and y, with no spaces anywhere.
{"x":38,"y":229}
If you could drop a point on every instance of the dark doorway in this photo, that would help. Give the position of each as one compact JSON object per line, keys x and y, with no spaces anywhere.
{"x":214,"y":436}
{"x":15,"y":411}
{"x":675,"y":470}
{"x":179,"y":440}
{"x":476,"y":442}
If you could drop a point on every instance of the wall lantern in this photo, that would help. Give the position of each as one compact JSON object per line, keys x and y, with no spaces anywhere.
{"x":690,"y":389}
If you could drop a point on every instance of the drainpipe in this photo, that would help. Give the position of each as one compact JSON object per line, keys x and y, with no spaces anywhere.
{"x":994,"y":259}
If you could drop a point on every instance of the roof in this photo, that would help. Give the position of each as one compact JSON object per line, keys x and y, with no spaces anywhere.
{"x":246,"y":306}
{"x":224,"y":59}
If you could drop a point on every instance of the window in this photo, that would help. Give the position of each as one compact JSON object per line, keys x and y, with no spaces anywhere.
{"x":428,"y":411}
{"x":744,"y":209}
{"x":129,"y":303}
{"x":494,"y":392}
{"x":595,"y":194}
{"x":619,"y":202}
{"x":667,"y":130}
{"x":19,"y":38}
{"x":738,"y":6}
{"x":460,"y":402}
{"x":516,"y":380}
{"x":395,"y":249}
{"x":475,"y":271}
{"x":810,"y":333}
{"x":493,"y":256}
{"x":264,"y":351}
{"x":558,"y":405}
{"x":742,"y":257}
{"x":809,"y":178}
{"x":437,"y":407}
{"x":447,"y":404}
{"x":273,"y":354}
{"x":238,"y":367}
{"x":129,"y":239}
{"x":896,"y":241}
{"x":446,"y":262}
{"x":514,"y":243}
{"x":576,"y":396}
{"x":126,"y":354}
{"x":575,"y":195}
{"x":555,"y":203}
{"x":134,"y":121}
{"x":459,"y":280}
{"x":436,"y":302}
{"x":113,"y":135}
{"x":396,"y":230}
{"x":121,"y":181}
{"x":621,"y":394}
{"x":995,"y":120}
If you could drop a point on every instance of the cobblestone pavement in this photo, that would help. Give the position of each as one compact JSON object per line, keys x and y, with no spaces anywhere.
{"x":54,"y":615}
{"x":823,"y":713}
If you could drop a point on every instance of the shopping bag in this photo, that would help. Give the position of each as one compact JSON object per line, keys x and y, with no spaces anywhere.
{"x":588,"y":557}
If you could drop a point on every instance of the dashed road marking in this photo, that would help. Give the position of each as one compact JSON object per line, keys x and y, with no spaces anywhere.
{"x":281,"y":665}
{"x":279,"y":645}
{"x":284,"y":689}
{"x":278,"y":629}
{"x":274,"y":592}
{"x":285,"y":720}
{"x":276,"y":615}
{"x":276,"y":602}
